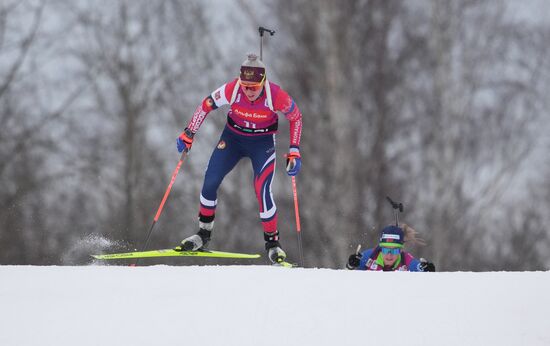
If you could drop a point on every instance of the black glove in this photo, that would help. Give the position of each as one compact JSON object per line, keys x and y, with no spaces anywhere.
{"x":353,"y":261}
{"x":426,"y":266}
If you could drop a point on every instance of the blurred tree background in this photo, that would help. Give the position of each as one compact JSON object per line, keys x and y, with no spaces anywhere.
{"x":439,"y":104}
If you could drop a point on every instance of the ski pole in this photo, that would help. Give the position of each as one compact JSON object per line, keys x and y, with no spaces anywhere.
{"x":298,"y":226}
{"x":161,"y":206}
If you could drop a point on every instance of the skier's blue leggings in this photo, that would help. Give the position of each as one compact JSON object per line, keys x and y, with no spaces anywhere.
{"x":231,"y":148}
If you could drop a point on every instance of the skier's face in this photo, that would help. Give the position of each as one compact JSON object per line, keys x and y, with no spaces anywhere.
{"x":252,"y":92}
{"x":390,"y":256}
{"x":390,"y":259}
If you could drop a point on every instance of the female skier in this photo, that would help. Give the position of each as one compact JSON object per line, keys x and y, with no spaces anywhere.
{"x":389,"y":254}
{"x":250,"y":132}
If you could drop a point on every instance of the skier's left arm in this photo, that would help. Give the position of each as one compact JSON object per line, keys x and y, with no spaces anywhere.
{"x":285,"y":104}
{"x":418,"y":265}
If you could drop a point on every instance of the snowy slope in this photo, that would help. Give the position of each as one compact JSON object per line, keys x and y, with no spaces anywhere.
{"x":260,"y":305}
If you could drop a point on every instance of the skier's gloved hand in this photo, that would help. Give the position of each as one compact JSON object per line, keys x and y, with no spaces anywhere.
{"x":426,"y":266}
{"x":353,"y":261}
{"x":293,"y":162}
{"x":185,"y":140}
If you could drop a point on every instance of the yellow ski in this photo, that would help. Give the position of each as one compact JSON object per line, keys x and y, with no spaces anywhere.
{"x":174,"y":253}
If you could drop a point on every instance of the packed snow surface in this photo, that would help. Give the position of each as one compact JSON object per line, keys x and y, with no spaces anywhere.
{"x":263,"y":305}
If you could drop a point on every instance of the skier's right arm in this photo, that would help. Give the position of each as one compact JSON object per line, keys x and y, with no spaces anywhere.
{"x":358,"y":260}
{"x":216,"y":99}
{"x":353,"y":261}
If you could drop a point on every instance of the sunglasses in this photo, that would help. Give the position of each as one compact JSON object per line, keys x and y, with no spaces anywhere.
{"x":254,"y":87}
{"x":390,"y":250}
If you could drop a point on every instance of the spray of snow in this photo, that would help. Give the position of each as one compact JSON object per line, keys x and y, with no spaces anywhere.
{"x":79,"y":252}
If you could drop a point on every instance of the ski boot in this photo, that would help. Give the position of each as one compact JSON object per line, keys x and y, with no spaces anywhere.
{"x":274,"y":252}
{"x":197,"y":241}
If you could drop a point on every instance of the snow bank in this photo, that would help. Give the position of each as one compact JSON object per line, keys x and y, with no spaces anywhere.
{"x":260,"y":305}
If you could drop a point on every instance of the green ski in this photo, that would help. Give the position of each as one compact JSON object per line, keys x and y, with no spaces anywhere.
{"x":282,"y":263}
{"x":174,"y":253}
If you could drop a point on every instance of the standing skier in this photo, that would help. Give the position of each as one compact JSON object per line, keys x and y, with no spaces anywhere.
{"x":250,"y":132}
{"x":389,"y":254}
